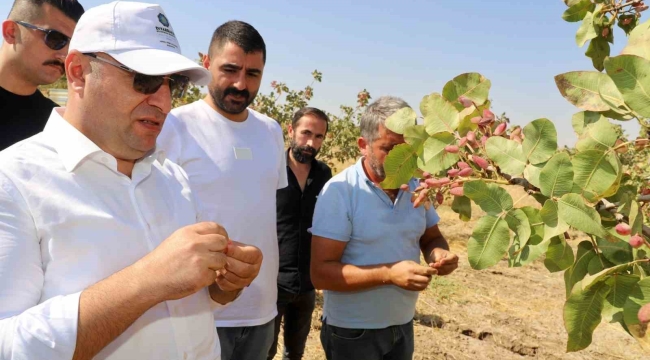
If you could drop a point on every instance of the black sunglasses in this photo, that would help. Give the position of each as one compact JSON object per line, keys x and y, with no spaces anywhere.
{"x":55,"y":40}
{"x":149,"y":84}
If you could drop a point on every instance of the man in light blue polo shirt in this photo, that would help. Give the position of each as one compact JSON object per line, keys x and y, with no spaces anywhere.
{"x":366,"y":248}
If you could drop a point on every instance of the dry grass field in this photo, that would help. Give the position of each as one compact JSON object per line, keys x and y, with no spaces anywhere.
{"x":499,"y":313}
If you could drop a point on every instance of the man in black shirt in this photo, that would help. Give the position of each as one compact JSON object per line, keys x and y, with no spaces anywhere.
{"x":36,"y":37}
{"x":295,"y":208}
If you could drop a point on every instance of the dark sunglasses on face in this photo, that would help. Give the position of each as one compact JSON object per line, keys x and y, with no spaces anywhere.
{"x":149,"y":84}
{"x":55,"y":40}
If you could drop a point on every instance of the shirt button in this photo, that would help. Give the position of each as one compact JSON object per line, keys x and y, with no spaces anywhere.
{"x":184,"y":356}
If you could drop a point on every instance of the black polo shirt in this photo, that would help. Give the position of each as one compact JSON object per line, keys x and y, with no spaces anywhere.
{"x":295,"y":210}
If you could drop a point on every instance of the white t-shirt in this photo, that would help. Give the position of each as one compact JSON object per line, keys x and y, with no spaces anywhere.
{"x":234,"y":169}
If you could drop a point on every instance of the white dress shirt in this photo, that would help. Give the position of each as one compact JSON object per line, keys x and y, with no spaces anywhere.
{"x":69,"y":219}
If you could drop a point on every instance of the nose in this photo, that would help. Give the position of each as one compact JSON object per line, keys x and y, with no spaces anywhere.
{"x":240,"y":82}
{"x":162,"y":99}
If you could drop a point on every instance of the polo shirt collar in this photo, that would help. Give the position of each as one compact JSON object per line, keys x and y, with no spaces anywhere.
{"x":74,"y":147}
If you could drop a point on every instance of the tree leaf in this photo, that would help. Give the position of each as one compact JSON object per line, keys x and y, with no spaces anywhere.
{"x":532,"y":172}
{"x":518,"y":223}
{"x":441,"y":115}
{"x":587,"y":31}
{"x":401,"y":119}
{"x":592,"y":280}
{"x":599,"y":136}
{"x":621,"y":286}
{"x":400,"y":164}
{"x":488,"y":243}
{"x":582,"y":119}
{"x":577,"y":272}
{"x":490,"y":197}
{"x":573,"y":210}
{"x":559,"y":255}
{"x":585,"y":88}
{"x":540,"y":142}
{"x":619,"y":252}
{"x":639,"y":296}
{"x":473,"y":86}
{"x":416,"y":136}
{"x":507,"y":154}
{"x":639,"y":41}
{"x":582,"y":314}
{"x":595,"y":171}
{"x":636,"y":218}
{"x":631,"y":74}
{"x":463,"y":207}
{"x":578,"y":11}
{"x":553,"y":225}
{"x":536,"y":246}
{"x":556,"y":178}
{"x":435,"y":158}
{"x":598,"y":50}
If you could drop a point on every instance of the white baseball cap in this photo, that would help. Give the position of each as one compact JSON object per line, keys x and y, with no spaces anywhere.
{"x":139,"y":36}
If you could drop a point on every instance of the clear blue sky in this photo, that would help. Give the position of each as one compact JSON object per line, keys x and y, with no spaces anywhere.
{"x":404,"y":48}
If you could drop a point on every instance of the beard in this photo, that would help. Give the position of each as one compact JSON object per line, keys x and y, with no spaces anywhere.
{"x":376,"y":167}
{"x":229,"y":106}
{"x":298,"y":152}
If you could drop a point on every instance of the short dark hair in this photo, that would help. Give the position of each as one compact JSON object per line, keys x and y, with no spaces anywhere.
{"x":310,"y":111}
{"x":28,"y":10}
{"x":241,"y":34}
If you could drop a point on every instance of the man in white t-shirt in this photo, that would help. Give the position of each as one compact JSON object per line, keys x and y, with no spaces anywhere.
{"x":234,"y":158}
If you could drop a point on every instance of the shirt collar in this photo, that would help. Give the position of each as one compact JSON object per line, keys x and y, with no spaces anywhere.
{"x":74,"y":147}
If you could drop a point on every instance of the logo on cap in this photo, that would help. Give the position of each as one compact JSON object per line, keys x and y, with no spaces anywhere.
{"x":163,"y":19}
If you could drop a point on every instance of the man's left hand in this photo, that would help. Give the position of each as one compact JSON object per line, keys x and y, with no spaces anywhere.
{"x":443,"y":260}
{"x":242,"y":266}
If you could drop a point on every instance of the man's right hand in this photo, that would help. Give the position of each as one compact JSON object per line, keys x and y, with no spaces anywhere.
{"x":410,"y":275}
{"x":186,"y":261}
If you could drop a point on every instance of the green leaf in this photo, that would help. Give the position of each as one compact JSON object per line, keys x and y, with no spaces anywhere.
{"x":599,"y":136}
{"x":473,"y":86}
{"x":488,"y":243}
{"x":540,"y":142}
{"x":631,"y":74}
{"x":441,"y":115}
{"x":462,"y":205}
{"x":577,"y":272}
{"x":490,"y":197}
{"x":578,"y":11}
{"x":639,"y":296}
{"x":532,"y":172}
{"x":401,"y":119}
{"x":518,"y":223}
{"x":639,"y":41}
{"x":536,"y":246}
{"x":466,"y":123}
{"x":507,"y":154}
{"x":573,"y":210}
{"x":598,"y":50}
{"x":582,"y":314}
{"x":621,"y":286}
{"x":595,"y":171}
{"x":582,"y":119}
{"x":586,"y":31}
{"x":435,"y":158}
{"x":553,"y":225}
{"x":636,"y":218}
{"x":585,"y":88}
{"x":559,"y":255}
{"x":556,"y":178}
{"x":619,"y":252}
{"x":592,"y":280}
{"x":399,"y":165}
{"x":416,"y":136}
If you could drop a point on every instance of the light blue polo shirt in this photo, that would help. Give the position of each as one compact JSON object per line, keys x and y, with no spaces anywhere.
{"x":352,"y":209}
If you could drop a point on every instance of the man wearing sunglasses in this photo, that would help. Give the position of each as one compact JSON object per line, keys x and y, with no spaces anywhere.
{"x":36,"y":37}
{"x":102,"y":254}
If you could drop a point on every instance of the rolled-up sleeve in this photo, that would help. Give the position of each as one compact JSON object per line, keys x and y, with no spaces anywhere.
{"x":29,"y":330}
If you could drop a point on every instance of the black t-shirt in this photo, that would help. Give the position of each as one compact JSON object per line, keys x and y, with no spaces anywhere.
{"x":295,"y":209}
{"x":22,"y":116}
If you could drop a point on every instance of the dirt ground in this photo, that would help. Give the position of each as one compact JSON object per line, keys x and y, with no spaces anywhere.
{"x":499,"y":313}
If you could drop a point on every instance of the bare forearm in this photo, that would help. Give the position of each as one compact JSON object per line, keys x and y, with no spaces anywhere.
{"x":108,"y":308}
{"x":437,"y":242}
{"x":333,"y":275}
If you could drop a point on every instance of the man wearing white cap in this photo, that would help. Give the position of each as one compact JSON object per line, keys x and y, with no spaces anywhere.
{"x":101,"y":252}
